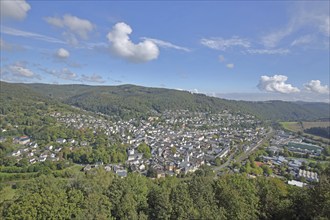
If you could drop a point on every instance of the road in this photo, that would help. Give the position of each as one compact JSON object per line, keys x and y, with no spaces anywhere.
{"x":246,"y":154}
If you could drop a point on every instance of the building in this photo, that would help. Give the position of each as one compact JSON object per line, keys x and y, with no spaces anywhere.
{"x":304,"y":148}
{"x":296,"y":183}
{"x":310,"y":176}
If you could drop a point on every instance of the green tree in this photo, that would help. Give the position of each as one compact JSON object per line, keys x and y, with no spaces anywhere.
{"x":145,"y":149}
{"x":182,"y":204}
{"x":159,"y":203}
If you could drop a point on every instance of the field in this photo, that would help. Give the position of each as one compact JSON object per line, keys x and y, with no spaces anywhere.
{"x":292,"y":126}
{"x":301,"y":126}
{"x":321,"y":124}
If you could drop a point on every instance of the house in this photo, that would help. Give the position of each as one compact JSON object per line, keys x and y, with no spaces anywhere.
{"x":121,"y":173}
{"x":142,"y":167}
{"x":42,"y":159}
{"x":310,"y":176}
{"x":295,"y":164}
{"x":61,"y":140}
{"x":87,"y":168}
{"x":33,"y":145}
{"x":258,"y":164}
{"x":17,"y":153}
{"x":99,"y":163}
{"x":160,"y":174}
{"x":83,"y":143}
{"x":134,"y":157}
{"x":71,"y":141}
{"x":22,"y":140}
{"x":107,"y":168}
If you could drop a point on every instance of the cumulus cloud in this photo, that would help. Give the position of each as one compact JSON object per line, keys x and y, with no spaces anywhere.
{"x":21,"y":71}
{"x":14,"y":9}
{"x":276,"y":83}
{"x":166,"y":44}
{"x":223,"y":44}
{"x":18,"y":72}
{"x":62,"y":53}
{"x":73,"y":26}
{"x":194,"y":91}
{"x":281,"y":51}
{"x":315,"y":86}
{"x":230,"y":65}
{"x":122,"y":46}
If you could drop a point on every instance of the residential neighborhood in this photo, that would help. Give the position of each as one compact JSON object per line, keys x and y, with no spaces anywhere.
{"x":178,"y":143}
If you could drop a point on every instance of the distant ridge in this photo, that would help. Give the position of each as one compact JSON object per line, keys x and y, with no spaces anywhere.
{"x":129,"y":101}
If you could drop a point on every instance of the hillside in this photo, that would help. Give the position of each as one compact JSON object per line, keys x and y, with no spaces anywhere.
{"x":133,"y":101}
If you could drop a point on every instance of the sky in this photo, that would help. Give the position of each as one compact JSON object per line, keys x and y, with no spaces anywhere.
{"x":241,"y":50}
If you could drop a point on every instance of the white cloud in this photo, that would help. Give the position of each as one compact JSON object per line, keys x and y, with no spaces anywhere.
{"x":73,"y":26}
{"x":194,"y":91}
{"x":272,"y":39}
{"x":62,"y":53}
{"x":14,"y":9}
{"x":21,"y":71}
{"x":306,"y":16}
{"x":17,"y":72}
{"x":165,"y":44}
{"x":223,"y":44}
{"x":266,"y":96}
{"x":230,"y":65}
{"x":315,"y":86}
{"x":276,"y":83}
{"x":306,"y":39}
{"x":19,"y":33}
{"x":64,"y":73}
{"x":122,"y":46}
{"x":268,"y":51}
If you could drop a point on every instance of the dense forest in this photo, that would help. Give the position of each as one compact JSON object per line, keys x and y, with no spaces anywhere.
{"x":101,"y":195}
{"x":319,"y":131}
{"x":128,"y":101}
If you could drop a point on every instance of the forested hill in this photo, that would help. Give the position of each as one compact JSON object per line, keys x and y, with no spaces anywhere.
{"x":132,"y":101}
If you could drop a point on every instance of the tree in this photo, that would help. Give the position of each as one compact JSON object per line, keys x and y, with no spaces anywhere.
{"x":237,"y":196}
{"x":145,"y":149}
{"x":273,"y":201}
{"x":267,"y":170}
{"x":182,"y":207}
{"x":202,"y":195}
{"x":159,"y":203}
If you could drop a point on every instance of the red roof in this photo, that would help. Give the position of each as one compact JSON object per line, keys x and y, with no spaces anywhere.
{"x":259,"y":164}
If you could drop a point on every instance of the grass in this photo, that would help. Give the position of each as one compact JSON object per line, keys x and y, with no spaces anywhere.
{"x":301,"y":126}
{"x":292,"y":126}
{"x":321,"y":124}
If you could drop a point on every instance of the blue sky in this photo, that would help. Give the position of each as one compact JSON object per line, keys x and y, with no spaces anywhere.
{"x":238,"y":50}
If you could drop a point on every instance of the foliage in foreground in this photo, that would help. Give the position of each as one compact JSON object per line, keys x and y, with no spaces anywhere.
{"x":101,"y":195}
